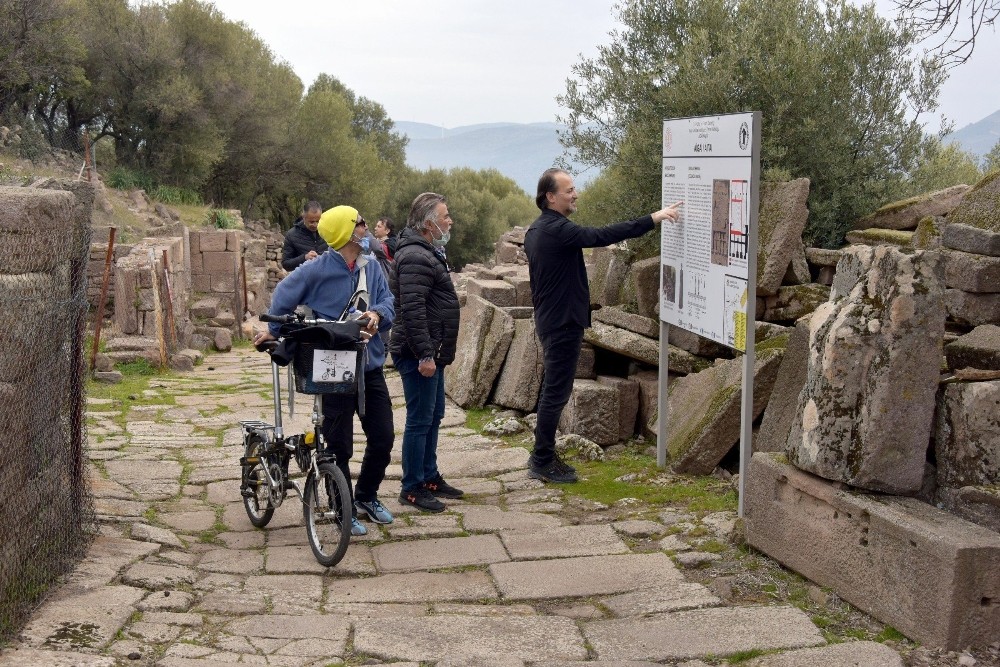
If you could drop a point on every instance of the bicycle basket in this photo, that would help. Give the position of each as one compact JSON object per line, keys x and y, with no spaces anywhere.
{"x":324,"y":371}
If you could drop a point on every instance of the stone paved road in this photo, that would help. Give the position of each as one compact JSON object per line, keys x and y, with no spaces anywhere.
{"x":179,"y":578}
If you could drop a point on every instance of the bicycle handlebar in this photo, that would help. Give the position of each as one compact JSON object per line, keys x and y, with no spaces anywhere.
{"x":300,"y":318}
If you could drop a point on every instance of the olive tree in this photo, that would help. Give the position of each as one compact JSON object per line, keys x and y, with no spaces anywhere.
{"x":840,"y":96}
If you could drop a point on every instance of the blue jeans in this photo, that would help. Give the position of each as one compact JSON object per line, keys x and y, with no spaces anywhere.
{"x":424,"y":411}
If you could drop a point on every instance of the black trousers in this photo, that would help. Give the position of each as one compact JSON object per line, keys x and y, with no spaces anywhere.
{"x":560,"y":354}
{"x":338,"y":432}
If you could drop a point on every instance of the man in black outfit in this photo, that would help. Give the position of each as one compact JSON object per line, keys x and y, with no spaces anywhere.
{"x":561,"y":297}
{"x":303,"y":242}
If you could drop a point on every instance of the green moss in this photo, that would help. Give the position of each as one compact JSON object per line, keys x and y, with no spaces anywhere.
{"x":682,"y":441}
{"x":896,"y":237}
{"x":776,"y":343}
{"x":928,"y":233}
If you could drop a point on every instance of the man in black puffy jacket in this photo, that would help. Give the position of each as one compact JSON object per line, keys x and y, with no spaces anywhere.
{"x":422,"y":343}
{"x":303,"y":242}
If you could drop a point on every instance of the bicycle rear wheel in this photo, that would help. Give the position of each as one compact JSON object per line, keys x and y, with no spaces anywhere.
{"x":328,"y":512}
{"x":257,"y":495}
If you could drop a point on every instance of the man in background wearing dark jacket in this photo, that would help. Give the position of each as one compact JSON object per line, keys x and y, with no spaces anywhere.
{"x":422,"y":343}
{"x":303,"y":242}
{"x":561,"y":296}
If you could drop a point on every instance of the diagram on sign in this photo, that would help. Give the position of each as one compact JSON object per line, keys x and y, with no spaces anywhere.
{"x":734,"y":320}
{"x":739,"y":221}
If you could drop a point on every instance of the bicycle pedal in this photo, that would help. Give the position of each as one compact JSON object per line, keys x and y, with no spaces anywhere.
{"x":249,"y":460}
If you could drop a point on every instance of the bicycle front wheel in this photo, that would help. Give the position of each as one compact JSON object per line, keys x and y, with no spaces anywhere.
{"x":327,"y":510}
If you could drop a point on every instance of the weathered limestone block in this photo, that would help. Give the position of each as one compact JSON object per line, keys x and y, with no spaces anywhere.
{"x":820,"y":257}
{"x":522,"y":289}
{"x":616,"y":316}
{"x":497,"y":292}
{"x":597,"y":262}
{"x":875,"y":355}
{"x":592,"y":412}
{"x":783,"y":215}
{"x":974,"y":309}
{"x":782,"y":407}
{"x":220,"y":262}
{"x":640,"y":348}
{"x":876,"y":237}
{"x":928,"y":233}
{"x":211,"y":241}
{"x":971,"y":239}
{"x":484,"y":337}
{"x":697,"y":345}
{"x":907,"y":213}
{"x":207,"y":307}
{"x":29,"y":330}
{"x":614,"y":281}
{"x":794,"y":301}
{"x":222,"y":339}
{"x":929,"y":574}
{"x":649,"y":391}
{"x":978,"y":504}
{"x":979,"y":207}
{"x":972,"y":273}
{"x":628,"y":403}
{"x":979,"y":348}
{"x":127,"y":298}
{"x":521,"y":377}
{"x":798,"y":268}
{"x":646,"y":278}
{"x":24,"y":213}
{"x":585,"y":363}
{"x":704,"y":410}
{"x":967,"y":434}
{"x":508,"y":253}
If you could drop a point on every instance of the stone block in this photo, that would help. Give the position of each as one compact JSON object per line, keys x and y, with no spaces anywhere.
{"x":791,"y":302}
{"x":979,"y":348}
{"x":820,"y":257}
{"x":616,"y":316}
{"x":928,"y":233}
{"x":782,"y":219}
{"x":521,"y":378}
{"x":509,"y":253}
{"x":234,"y":241}
{"x":877,"y":237}
{"x":640,"y":348}
{"x":649,"y":392}
{"x":970,"y":239}
{"x":29,"y":330}
{"x":971,"y":273}
{"x":798,"y":272}
{"x":201,"y":283}
{"x":127,"y":299}
{"x":978,"y":504}
{"x":222,"y":339}
{"x":618,"y":268}
{"x":25,"y":211}
{"x":484,"y":336}
{"x":979,"y":206}
{"x":932,"y":576}
{"x":697,"y":345}
{"x":211,"y":241}
{"x":256,"y":254}
{"x":782,"y":407}
{"x":585,"y":363}
{"x":220,"y":262}
{"x":704,"y":409}
{"x":905,"y":214}
{"x":974,"y":309}
{"x":865,"y":411}
{"x":522,"y":289}
{"x":497,"y":292}
{"x":646,"y":277}
{"x":628,"y":403}
{"x":592,"y":412}
{"x":223,"y":283}
{"x":967,"y":434}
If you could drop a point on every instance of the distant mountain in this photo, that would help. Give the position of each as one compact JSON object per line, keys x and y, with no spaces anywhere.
{"x":517,"y":150}
{"x":979,"y":137}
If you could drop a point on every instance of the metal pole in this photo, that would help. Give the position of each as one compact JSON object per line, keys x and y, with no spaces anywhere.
{"x":170,"y":299}
{"x":662,"y":396}
{"x":103,"y":297}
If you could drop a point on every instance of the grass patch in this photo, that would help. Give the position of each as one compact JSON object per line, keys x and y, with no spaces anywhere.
{"x":477,"y":418}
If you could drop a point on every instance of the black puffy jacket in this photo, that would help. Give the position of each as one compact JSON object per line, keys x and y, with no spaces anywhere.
{"x":427,"y":308}
{"x":298,"y":242}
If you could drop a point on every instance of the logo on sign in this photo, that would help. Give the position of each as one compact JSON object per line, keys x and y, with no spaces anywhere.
{"x":744,"y":136}
{"x":668,"y":140}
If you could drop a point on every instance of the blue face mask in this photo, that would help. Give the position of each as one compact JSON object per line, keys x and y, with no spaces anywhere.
{"x":445,"y":237}
{"x":364,"y":242}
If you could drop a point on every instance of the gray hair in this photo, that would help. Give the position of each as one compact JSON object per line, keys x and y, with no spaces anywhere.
{"x":424,"y":208}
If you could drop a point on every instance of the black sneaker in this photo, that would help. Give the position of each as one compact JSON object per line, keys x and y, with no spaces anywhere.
{"x":554,"y":471}
{"x":421,"y":499}
{"x":443,"y":489}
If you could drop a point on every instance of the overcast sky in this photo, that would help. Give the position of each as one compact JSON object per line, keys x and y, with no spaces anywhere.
{"x":461,"y":62}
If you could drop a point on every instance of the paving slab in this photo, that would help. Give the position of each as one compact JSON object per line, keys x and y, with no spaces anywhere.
{"x":189,"y":522}
{"x":847,"y":654}
{"x":693,"y":634}
{"x":82,"y":620}
{"x":679,"y":596}
{"x":564,"y":542}
{"x":481,"y":519}
{"x":141,"y":531}
{"x":278,"y":626}
{"x":32,"y":657}
{"x":438,"y":553}
{"x":224,"y":603}
{"x":232,"y":561}
{"x":534,"y":638}
{"x":158,"y":577}
{"x":480,"y":463}
{"x":414,"y":587}
{"x":166,"y":601}
{"x":289,"y":593}
{"x":578,"y":577}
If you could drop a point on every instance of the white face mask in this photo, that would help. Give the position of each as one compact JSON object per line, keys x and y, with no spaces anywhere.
{"x":445,"y":237}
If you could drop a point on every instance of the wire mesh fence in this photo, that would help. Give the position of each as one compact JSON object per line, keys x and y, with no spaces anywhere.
{"x":25,"y":140}
{"x":44,"y":246}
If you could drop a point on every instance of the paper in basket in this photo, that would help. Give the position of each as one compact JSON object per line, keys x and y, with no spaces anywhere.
{"x":334,"y":365}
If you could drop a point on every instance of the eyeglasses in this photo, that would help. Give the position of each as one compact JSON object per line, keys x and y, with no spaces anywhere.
{"x":361,"y":221}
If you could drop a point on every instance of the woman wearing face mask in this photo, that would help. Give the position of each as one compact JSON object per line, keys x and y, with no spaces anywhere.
{"x":422,"y":343}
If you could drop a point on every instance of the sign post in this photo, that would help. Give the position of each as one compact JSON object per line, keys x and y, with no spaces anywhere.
{"x":708,"y":259}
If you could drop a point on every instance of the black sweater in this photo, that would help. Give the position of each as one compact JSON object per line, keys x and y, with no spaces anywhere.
{"x":559,"y":288}
{"x":298,"y":242}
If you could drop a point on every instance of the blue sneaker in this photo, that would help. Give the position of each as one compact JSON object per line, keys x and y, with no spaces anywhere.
{"x":374,"y":510}
{"x":357,"y":528}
